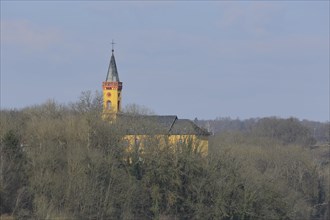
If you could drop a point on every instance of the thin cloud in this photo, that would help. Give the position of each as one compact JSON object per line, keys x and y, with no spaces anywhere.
{"x":29,"y":35}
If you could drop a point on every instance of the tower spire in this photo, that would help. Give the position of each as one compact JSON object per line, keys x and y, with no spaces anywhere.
{"x":112,"y":75}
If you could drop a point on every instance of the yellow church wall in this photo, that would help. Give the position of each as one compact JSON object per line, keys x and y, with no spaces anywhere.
{"x":114,"y":96}
{"x":200,"y":144}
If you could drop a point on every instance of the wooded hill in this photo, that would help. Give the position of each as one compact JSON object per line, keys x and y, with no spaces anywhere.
{"x":65,"y":162}
{"x":286,"y":130}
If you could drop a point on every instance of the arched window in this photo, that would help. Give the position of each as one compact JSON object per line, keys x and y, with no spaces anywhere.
{"x":137,"y":141}
{"x":108,"y":105}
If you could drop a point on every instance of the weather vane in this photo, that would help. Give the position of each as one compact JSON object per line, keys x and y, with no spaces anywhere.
{"x":113,"y":44}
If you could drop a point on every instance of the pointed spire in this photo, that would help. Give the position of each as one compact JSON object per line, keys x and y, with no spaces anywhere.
{"x":112,"y":75}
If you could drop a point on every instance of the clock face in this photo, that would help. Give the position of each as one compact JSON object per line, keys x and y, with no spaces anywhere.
{"x":108,"y":94}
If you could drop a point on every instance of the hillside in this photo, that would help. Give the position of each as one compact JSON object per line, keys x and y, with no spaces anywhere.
{"x":319,"y":131}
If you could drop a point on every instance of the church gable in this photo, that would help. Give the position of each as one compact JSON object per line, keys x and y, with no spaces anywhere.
{"x":187,"y":127}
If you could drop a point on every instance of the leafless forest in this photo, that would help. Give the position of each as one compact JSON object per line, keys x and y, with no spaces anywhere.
{"x":65,"y":162}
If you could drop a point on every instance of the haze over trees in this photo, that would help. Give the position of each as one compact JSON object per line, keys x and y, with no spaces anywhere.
{"x":65,"y":162}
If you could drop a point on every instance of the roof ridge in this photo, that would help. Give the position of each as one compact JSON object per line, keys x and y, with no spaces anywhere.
{"x":176,"y":118}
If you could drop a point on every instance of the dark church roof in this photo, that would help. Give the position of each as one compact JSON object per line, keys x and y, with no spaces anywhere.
{"x":159,"y":124}
{"x":112,"y":75}
{"x":186,"y":126}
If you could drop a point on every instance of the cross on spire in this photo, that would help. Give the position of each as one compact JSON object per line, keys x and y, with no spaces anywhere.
{"x":113,"y":44}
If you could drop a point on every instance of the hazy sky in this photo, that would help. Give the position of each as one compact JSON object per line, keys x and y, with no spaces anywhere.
{"x":192,"y":59}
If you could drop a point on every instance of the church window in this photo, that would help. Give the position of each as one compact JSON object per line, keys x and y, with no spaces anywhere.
{"x":137,"y":141}
{"x":108,"y":104}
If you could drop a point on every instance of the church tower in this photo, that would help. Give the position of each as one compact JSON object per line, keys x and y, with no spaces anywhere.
{"x":112,"y":89}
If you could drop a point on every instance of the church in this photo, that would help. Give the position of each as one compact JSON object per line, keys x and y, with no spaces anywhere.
{"x":141,"y":126}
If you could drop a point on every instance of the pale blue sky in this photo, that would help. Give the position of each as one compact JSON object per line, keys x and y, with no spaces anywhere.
{"x":192,"y":59}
